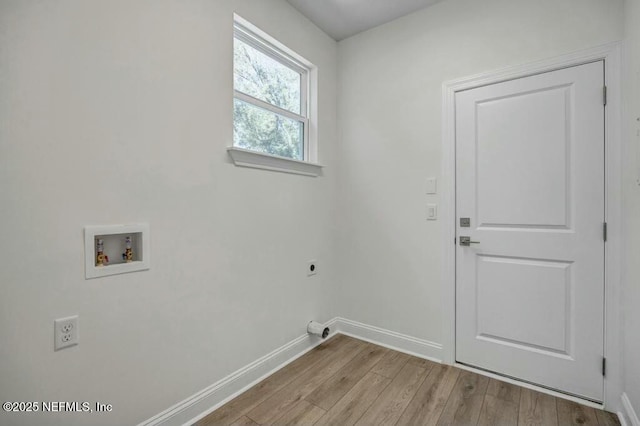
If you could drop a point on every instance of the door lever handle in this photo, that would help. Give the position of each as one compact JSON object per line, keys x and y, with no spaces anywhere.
{"x":466,"y":241}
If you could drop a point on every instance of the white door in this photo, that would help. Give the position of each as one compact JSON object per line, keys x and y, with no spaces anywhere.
{"x":530,"y":179}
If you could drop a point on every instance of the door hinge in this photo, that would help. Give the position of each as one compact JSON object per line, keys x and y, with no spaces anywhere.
{"x":604,"y":366}
{"x":604,"y":231}
{"x":604,"y":95}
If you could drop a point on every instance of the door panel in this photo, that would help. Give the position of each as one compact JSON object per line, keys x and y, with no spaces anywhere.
{"x":536,"y":146}
{"x":530,"y":176}
{"x":511,"y":313}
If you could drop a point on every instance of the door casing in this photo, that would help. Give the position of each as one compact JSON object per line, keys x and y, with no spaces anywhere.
{"x":610,"y":54}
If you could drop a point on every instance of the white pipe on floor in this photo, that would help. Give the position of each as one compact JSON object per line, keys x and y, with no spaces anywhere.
{"x":317,"y":329}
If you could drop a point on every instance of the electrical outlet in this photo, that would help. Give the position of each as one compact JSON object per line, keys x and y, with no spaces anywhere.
{"x":66,"y":332}
{"x":312,"y":267}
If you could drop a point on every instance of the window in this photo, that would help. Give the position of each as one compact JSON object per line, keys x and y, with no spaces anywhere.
{"x":271,"y":108}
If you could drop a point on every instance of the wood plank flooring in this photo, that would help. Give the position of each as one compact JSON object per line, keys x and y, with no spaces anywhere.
{"x":346,"y":381}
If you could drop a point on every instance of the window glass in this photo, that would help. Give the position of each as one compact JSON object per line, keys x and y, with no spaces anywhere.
{"x":264,"y":131}
{"x":264,"y":78}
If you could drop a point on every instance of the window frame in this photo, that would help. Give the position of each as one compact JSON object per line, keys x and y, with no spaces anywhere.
{"x":264,"y":43}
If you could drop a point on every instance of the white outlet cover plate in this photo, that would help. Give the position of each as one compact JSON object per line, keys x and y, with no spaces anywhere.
{"x":313,"y":263}
{"x":66,"y":332}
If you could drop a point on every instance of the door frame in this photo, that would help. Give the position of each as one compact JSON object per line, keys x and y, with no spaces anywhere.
{"x":610,"y":54}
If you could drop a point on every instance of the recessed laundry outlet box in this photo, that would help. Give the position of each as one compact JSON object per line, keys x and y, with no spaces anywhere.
{"x":116,"y":249}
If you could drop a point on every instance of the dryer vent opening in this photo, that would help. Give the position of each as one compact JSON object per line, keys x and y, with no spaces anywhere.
{"x":318,"y":329}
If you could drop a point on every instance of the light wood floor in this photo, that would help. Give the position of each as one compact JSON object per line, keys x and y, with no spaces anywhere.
{"x":346,"y":381}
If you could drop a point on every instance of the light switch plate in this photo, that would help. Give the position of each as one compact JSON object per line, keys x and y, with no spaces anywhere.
{"x":432,"y":185}
{"x":432,"y":212}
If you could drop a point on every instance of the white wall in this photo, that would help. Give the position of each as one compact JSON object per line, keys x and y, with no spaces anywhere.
{"x":390,"y":85}
{"x":121,"y":111}
{"x":631,"y":211}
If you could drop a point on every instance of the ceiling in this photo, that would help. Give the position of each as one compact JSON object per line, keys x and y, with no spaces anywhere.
{"x":344,"y":18}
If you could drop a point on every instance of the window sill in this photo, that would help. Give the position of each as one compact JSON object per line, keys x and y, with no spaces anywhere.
{"x":257,"y":160}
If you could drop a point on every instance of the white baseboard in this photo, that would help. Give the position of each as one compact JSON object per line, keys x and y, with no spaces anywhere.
{"x":207,"y":400}
{"x":629,"y":416}
{"x":390,"y":339}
